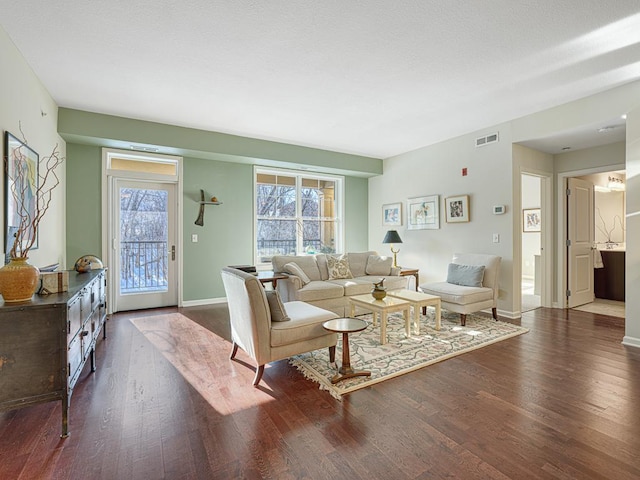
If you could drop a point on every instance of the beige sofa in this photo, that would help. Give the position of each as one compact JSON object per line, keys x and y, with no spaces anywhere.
{"x":366,"y":268}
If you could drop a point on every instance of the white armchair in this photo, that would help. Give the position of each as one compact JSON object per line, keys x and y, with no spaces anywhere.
{"x":464,"y":299}
{"x":264,"y":340}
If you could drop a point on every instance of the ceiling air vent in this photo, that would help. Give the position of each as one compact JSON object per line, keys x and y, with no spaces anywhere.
{"x":486,"y":140}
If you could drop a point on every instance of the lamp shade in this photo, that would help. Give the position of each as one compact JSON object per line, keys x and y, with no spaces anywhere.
{"x":392,"y":237}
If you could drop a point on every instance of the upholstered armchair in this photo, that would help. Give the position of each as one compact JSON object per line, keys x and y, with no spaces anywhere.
{"x":269,"y":330}
{"x":471,"y":285}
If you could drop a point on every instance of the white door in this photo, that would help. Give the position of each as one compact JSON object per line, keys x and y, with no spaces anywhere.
{"x":580,"y":236}
{"x":143,"y":255}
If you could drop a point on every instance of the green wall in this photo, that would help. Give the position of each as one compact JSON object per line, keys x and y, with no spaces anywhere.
{"x":227,"y":235}
{"x":84,"y":211}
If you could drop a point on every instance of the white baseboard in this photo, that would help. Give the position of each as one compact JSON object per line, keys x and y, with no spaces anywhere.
{"x":631,"y":341}
{"x":504,"y":313}
{"x":204,"y":301}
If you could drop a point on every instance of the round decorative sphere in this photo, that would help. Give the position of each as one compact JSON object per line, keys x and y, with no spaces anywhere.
{"x":87,"y":263}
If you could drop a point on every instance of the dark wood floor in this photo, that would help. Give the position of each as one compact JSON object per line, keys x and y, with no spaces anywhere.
{"x":562,"y":401}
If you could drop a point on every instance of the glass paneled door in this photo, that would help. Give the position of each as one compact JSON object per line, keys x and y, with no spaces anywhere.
{"x":144,"y":247}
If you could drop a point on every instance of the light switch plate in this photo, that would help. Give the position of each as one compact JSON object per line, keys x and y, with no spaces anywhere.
{"x":194,"y":237}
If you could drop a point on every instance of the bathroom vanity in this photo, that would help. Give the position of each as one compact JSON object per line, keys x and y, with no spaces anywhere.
{"x":609,"y":281}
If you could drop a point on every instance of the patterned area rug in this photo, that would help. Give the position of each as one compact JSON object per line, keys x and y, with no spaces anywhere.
{"x":400,"y":354}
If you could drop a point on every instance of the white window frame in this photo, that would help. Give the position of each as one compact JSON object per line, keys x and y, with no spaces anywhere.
{"x":299,"y":174}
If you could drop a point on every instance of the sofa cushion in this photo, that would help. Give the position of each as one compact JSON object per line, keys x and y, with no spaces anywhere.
{"x":354,"y":286}
{"x":307,"y":263}
{"x":338,"y":267}
{"x":306,"y":323}
{"x":378,"y":265}
{"x":321,"y":260}
{"x":467,"y":275}
{"x":459,"y":294}
{"x":278,"y":313}
{"x":294,"y":269}
{"x":319,"y":290}
{"x":358,"y":262}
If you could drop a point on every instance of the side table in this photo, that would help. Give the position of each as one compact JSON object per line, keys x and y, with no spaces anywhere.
{"x":381,"y":308}
{"x":346,"y":326}
{"x":269,"y":276}
{"x":406,"y":271}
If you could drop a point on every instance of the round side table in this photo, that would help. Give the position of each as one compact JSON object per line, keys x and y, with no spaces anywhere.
{"x":345,"y":326}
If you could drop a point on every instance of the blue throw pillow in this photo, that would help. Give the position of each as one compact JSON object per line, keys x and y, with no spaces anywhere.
{"x":467,"y":275}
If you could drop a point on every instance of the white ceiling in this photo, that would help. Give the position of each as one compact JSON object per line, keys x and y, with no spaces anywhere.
{"x":371,"y":77}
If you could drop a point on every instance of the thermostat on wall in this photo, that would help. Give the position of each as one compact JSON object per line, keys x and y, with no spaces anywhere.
{"x":499,"y":209}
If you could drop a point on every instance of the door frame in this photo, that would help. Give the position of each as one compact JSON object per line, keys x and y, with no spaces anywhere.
{"x":561,"y":226}
{"x":108,"y":183}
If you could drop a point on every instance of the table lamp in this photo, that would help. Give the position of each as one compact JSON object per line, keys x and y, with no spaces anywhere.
{"x":393,"y":237}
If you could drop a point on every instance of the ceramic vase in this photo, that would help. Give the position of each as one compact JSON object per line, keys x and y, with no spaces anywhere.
{"x":379,"y":293}
{"x":18,"y":280}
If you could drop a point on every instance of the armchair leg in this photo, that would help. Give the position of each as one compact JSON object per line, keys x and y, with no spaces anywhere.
{"x":234,"y":350}
{"x":463,"y":319}
{"x":494,"y":311}
{"x":258,"y":376}
{"x":332,"y":354}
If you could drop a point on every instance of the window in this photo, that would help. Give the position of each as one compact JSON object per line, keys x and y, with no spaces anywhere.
{"x":296,"y":213}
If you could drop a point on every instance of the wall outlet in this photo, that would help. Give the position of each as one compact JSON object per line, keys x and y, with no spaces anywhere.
{"x":496,"y":238}
{"x":194,"y":237}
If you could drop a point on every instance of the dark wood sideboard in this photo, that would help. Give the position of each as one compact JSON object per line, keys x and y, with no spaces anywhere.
{"x":45,"y":343}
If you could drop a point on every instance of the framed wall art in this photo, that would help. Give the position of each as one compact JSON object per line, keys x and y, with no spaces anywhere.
{"x":531,"y":220}
{"x":20,"y":188}
{"x":423,"y":212}
{"x":457,"y":209}
{"x":392,"y":214}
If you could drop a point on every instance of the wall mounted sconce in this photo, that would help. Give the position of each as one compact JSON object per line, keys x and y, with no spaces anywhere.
{"x":616,"y":184}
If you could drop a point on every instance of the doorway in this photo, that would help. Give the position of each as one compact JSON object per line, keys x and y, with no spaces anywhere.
{"x":608,"y":208}
{"x":531,"y":241}
{"x":141,"y":229}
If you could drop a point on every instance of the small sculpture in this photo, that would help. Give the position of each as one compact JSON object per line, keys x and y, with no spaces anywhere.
{"x":379,"y":290}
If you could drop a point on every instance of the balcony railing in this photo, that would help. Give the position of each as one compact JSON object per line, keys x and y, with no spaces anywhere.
{"x":143,"y":266}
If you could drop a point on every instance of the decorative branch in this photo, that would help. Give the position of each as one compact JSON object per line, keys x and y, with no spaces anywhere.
{"x":606,"y":232}
{"x":21,"y":188}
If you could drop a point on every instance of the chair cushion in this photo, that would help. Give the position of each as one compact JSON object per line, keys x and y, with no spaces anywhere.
{"x":294,"y":269}
{"x":467,"y":275}
{"x":278,"y":313}
{"x":459,"y":294}
{"x":306,"y":323}
{"x":378,"y":265}
{"x":338,"y":267}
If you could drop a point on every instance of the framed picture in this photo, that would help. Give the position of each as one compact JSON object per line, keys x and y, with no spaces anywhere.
{"x":531,"y":220}
{"x":392,"y":214}
{"x":21,"y":184}
{"x":423,"y":213}
{"x":457,"y":209}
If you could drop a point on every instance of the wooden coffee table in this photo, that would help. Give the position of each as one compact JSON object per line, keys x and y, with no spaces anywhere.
{"x":382,"y":308}
{"x":345,"y":326}
{"x":418,"y":300}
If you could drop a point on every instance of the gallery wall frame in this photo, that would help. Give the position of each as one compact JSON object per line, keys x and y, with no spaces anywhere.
{"x":531,"y":220}
{"x":392,"y":214}
{"x":457,"y":209}
{"x":423,"y":212}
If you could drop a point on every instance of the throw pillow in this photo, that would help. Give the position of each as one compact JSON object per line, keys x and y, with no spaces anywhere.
{"x":338,"y":267}
{"x":278,"y":313}
{"x":294,"y":269}
{"x":377,"y":265}
{"x":467,"y":275}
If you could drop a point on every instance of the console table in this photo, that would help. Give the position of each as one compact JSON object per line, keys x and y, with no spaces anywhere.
{"x":45,"y":343}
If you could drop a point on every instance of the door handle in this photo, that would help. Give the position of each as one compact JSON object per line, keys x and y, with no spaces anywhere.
{"x":173,"y":252}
